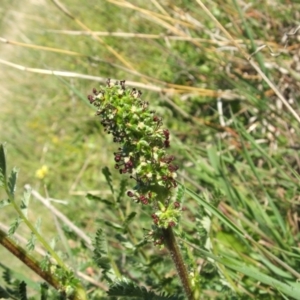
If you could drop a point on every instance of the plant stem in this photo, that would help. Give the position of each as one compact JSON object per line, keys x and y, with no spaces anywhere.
{"x":11,"y":197}
{"x":171,"y":244}
{"x":27,"y":259}
{"x":34,"y":265}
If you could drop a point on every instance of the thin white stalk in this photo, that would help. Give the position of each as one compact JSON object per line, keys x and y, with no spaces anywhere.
{"x":63,"y":218}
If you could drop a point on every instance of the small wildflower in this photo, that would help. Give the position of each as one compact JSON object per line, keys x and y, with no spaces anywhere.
{"x":142,"y":151}
{"x":42,"y":172}
{"x":55,"y":140}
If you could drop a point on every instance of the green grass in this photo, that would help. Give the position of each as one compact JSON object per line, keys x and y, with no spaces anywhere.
{"x":233,"y":138}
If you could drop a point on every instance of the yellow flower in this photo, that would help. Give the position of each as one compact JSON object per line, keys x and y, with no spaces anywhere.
{"x":42,"y":172}
{"x":55,"y":140}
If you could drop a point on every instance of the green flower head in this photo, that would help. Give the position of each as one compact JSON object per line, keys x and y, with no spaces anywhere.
{"x":144,"y":142}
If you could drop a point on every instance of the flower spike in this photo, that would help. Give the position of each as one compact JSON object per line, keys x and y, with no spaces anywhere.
{"x":142,"y":153}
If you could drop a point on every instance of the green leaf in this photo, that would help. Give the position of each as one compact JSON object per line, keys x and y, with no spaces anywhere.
{"x":275,"y":270}
{"x":25,"y":201}
{"x":2,"y":164}
{"x":107,"y":175}
{"x":113,"y":225}
{"x":53,"y":242}
{"x":96,"y":198}
{"x":180,"y":193}
{"x":23,"y":290}
{"x":100,"y":242}
{"x":31,"y":242}
{"x":38,"y":224}
{"x":4,"y":294}
{"x":124,"y":287}
{"x":129,"y":218}
{"x":12,"y":180}
{"x":4,"y":203}
{"x":45,"y":262}
{"x":275,"y":210}
{"x":11,"y":277}
{"x":288,"y":287}
{"x":103,"y":262}
{"x":100,"y":256}
{"x":7,"y":274}
{"x":214,"y":211}
{"x":142,"y":243}
{"x":44,"y":291}
{"x":14,"y":226}
{"x":122,"y":189}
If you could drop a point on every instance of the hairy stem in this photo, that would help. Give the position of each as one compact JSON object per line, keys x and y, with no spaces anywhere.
{"x":171,"y":244}
{"x":34,"y":265}
{"x":27,"y":259}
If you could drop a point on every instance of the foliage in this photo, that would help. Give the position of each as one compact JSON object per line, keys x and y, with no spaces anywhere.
{"x":222,"y":76}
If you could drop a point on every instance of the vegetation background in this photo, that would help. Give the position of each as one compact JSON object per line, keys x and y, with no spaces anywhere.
{"x":234,"y":134}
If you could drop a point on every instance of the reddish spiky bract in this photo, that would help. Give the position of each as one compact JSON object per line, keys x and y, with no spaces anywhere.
{"x":143,"y":152}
